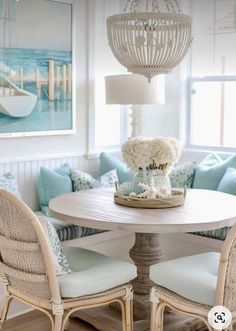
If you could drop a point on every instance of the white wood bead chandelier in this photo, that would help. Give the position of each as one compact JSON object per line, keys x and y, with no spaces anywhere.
{"x":151,"y":41}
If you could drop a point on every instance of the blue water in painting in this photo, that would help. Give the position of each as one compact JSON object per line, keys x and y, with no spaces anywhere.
{"x":46,"y":115}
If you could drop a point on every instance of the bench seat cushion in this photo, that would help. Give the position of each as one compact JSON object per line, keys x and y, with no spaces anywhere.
{"x":67,"y":231}
{"x":219,"y":234}
{"x":192,"y":277}
{"x":93,"y":273}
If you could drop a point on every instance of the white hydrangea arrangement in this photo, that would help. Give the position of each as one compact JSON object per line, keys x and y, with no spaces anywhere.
{"x":157,"y":155}
{"x":140,"y":152}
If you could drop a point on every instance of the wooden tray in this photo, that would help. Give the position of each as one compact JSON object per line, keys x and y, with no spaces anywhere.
{"x":177,"y":199}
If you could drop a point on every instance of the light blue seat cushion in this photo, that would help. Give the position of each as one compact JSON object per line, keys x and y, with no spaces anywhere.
{"x":109,"y":162}
{"x":211,"y":170}
{"x":192,"y":277}
{"x":93,"y":273}
{"x":228,"y":182}
{"x":52,"y":183}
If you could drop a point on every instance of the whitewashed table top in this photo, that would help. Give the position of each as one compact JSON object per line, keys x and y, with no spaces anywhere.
{"x":203,"y":210}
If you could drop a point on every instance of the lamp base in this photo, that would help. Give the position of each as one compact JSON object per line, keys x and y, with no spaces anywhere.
{"x":135,"y":121}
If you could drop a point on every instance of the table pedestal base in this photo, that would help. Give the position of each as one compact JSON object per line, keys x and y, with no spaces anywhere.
{"x":145,"y":252}
{"x":142,"y":306}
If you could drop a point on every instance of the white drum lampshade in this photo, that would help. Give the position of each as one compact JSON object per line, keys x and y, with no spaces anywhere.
{"x":134,"y":90}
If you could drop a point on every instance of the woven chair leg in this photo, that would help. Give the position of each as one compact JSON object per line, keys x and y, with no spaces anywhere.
{"x":153,"y":315}
{"x":57,"y":323}
{"x":157,"y":318}
{"x":128,"y":316}
{"x":5,"y":310}
{"x":66,"y":327}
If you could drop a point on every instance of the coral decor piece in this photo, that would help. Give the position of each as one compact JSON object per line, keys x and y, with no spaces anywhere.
{"x":150,"y":191}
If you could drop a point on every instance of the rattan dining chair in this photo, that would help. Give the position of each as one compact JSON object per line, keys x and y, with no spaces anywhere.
{"x":194,"y":285}
{"x":28,"y":273}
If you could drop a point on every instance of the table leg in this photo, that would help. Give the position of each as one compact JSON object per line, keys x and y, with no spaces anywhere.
{"x":145,"y":252}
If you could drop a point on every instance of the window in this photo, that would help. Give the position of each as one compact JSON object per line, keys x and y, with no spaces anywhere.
{"x":212,"y":82}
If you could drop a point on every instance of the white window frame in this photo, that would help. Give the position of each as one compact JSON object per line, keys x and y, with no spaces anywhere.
{"x":190,"y":81}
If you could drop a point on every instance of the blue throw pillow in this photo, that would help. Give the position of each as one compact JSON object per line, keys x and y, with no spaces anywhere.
{"x":228,"y":182}
{"x":211,"y":170}
{"x":108,"y":163}
{"x":52,"y":183}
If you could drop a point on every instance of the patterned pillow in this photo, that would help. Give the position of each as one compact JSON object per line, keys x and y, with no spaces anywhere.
{"x":8,"y":183}
{"x":109,"y":179}
{"x":84,"y":181}
{"x":183,"y":175}
{"x":60,"y":260}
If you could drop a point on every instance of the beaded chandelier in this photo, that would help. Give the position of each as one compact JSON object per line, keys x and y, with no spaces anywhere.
{"x":150,"y":37}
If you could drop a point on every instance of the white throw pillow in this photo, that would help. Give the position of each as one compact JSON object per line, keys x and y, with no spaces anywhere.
{"x":60,"y":260}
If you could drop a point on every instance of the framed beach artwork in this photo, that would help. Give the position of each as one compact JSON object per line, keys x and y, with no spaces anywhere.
{"x":36,"y":74}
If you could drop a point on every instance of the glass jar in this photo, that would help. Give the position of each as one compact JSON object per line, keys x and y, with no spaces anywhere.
{"x":162,"y":183}
{"x":142,"y":176}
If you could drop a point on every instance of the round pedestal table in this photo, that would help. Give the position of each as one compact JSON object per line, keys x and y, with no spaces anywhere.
{"x":203,"y":210}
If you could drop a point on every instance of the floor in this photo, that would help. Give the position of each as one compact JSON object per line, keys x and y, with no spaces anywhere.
{"x":37,"y":321}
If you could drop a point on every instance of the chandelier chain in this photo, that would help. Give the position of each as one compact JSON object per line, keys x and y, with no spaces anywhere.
{"x":169,"y":5}
{"x":178,"y":5}
{"x":147,"y":5}
{"x":155,"y":6}
{"x":132,"y":6}
{"x":172,"y":6}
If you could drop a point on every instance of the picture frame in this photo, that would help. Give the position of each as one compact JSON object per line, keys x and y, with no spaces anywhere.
{"x":41,"y":93}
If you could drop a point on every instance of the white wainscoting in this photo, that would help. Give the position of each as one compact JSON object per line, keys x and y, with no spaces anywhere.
{"x":26,"y":171}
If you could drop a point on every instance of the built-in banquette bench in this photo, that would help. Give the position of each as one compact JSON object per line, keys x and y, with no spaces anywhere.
{"x":117,"y":243}
{"x":26,"y":174}
{"x":212,"y":173}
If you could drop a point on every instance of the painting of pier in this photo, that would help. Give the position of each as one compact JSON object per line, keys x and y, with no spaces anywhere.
{"x":41,"y":67}
{"x":58,"y":78}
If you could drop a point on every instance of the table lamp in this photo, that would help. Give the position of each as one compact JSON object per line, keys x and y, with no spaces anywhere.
{"x":134,"y":90}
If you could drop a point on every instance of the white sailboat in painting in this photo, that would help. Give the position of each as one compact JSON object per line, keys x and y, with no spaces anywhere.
{"x":14,"y":101}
